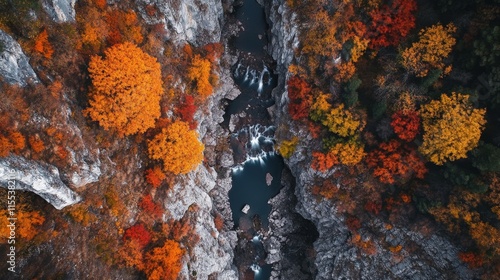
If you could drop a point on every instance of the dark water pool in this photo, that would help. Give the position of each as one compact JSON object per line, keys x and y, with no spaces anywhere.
{"x":249,"y":187}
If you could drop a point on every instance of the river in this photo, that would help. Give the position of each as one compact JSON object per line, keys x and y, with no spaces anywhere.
{"x":252,"y":140}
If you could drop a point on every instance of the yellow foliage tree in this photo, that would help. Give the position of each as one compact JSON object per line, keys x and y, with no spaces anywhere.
{"x":348,"y":153}
{"x":452,"y":127}
{"x":177,"y":147}
{"x":342,"y":122}
{"x":434,"y":45}
{"x":287,"y":147}
{"x":199,"y":72}
{"x":126,"y":90}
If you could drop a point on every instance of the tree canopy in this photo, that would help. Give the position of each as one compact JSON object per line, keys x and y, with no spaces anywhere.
{"x":452,"y":127}
{"x":126,"y":89}
{"x":177,"y":147}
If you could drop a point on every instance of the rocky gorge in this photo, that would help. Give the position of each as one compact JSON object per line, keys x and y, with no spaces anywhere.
{"x":307,"y":238}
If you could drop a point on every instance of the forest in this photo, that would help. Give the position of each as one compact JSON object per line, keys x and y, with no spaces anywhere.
{"x":401,"y":98}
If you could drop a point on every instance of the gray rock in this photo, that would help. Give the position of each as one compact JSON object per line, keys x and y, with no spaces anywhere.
{"x":14,"y":65}
{"x":269,"y":179}
{"x":245,"y":209}
{"x":37,"y":177}
{"x":60,"y":10}
{"x":195,"y":21}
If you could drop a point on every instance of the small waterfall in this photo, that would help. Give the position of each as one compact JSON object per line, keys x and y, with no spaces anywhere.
{"x":237,"y":71}
{"x":259,"y":145}
{"x":246,"y":74}
{"x":254,"y":76}
{"x":255,"y":268}
{"x":261,"y":80}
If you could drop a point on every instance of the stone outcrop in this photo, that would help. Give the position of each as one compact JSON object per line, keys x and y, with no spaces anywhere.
{"x":37,"y":177}
{"x":60,"y":10}
{"x":195,"y":21}
{"x":432,"y":256}
{"x":14,"y":65}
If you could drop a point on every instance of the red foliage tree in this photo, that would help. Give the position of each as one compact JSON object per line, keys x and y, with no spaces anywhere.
{"x":155,"y":176}
{"x":393,"y":162}
{"x":147,"y":204}
{"x":186,"y":111}
{"x":406,"y":124}
{"x":139,"y":234}
{"x":471,"y":259}
{"x":373,"y":207}
{"x":389,"y":24}
{"x":300,"y":99}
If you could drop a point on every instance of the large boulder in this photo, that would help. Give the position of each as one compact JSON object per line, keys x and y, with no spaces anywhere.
{"x":14,"y":65}
{"x":40,"y":178}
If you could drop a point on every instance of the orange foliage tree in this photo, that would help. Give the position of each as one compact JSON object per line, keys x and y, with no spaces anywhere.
{"x":300,"y":99}
{"x":27,"y":223}
{"x":126,"y":90}
{"x":452,"y":127}
{"x":164,"y":262}
{"x":199,"y":73}
{"x":155,"y":176}
{"x":393,"y":162}
{"x":43,"y":46}
{"x":323,"y":161}
{"x":389,"y":24}
{"x":177,"y":147}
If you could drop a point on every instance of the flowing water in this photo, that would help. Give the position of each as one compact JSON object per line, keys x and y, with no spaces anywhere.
{"x":253,"y":140}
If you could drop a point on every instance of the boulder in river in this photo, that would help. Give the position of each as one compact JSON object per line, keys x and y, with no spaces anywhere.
{"x":269,"y":179}
{"x":245,"y":209}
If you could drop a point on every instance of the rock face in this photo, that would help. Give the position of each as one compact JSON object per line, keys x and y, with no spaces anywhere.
{"x":60,"y":10}
{"x":195,"y":21}
{"x":40,"y":178}
{"x":14,"y":65}
{"x":423,"y":256}
{"x":207,"y":189}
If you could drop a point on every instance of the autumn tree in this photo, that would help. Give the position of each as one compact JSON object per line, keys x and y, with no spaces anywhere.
{"x":429,"y":52}
{"x":394,"y":162}
{"x":389,"y":24}
{"x":342,"y":122}
{"x":126,"y":90}
{"x":177,"y":147}
{"x":139,"y":234}
{"x":164,"y":263}
{"x":452,"y":127}
{"x":349,"y":153}
{"x":27,"y":224}
{"x":155,"y":176}
{"x":199,"y":73}
{"x":406,"y":124}
{"x":186,"y":110}
{"x":43,"y":46}
{"x":300,"y":99}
